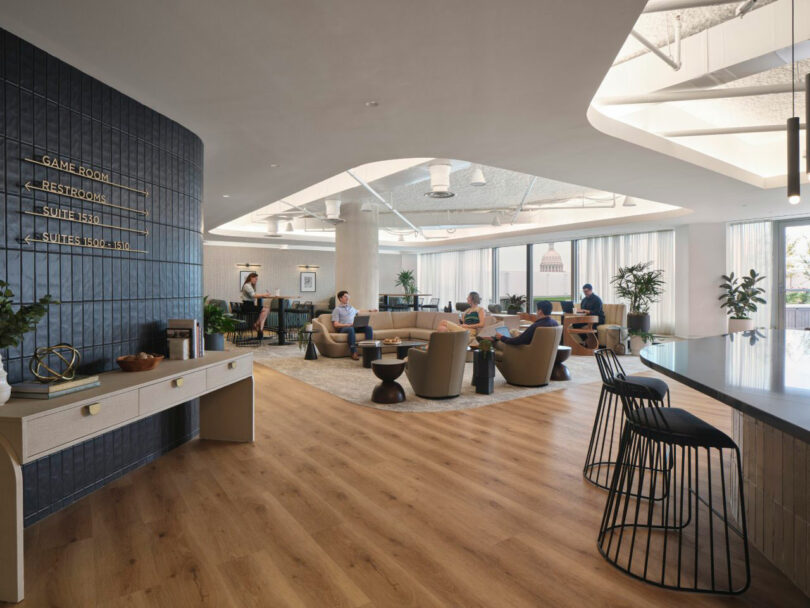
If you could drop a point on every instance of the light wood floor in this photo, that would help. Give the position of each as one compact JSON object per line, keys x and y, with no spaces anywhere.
{"x":340,"y":505}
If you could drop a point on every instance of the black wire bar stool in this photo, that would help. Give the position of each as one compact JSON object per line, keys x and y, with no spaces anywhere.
{"x":609,"y":420}
{"x":688,"y":540}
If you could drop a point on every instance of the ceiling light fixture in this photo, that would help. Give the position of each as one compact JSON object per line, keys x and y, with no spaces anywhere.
{"x":793,"y":182}
{"x":226,"y":196}
{"x":440,"y":179}
{"x":274,"y":165}
{"x":497,"y":220}
{"x":290,"y":227}
{"x":478,"y":178}
{"x":628,"y":202}
{"x":372,"y":103}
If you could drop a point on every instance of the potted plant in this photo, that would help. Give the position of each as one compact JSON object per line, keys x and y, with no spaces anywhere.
{"x":514,"y":303}
{"x":638,"y":339}
{"x":640,"y":286}
{"x":407,"y":281}
{"x":13,"y":325}
{"x":484,"y":367}
{"x":216,"y":322}
{"x":740,"y":299}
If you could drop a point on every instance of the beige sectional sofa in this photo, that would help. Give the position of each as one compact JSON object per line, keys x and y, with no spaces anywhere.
{"x":406,"y":325}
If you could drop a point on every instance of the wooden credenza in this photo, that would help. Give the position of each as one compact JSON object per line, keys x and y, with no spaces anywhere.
{"x":31,"y":429}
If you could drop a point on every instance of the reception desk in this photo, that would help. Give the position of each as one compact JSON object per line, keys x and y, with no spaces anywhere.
{"x":764,"y":376}
{"x":32,"y":429}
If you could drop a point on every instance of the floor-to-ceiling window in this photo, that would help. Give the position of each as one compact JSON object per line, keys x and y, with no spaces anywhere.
{"x":599,"y":258}
{"x":795,"y":297}
{"x":750,"y":246}
{"x":451,"y":275}
{"x":511,"y":273}
{"x":551,"y":271}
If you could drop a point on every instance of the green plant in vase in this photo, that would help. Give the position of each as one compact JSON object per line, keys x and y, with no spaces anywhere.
{"x":15,"y":324}
{"x":741,"y":297}
{"x":407,"y":281}
{"x":514,"y":303}
{"x":216,"y":323}
{"x":640,"y":287}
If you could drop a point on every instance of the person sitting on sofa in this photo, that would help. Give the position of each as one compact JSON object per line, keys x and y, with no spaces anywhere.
{"x":343,"y":319}
{"x":474,"y":318}
{"x":544,"y":319}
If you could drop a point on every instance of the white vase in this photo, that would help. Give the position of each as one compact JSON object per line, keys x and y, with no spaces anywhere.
{"x":735,"y":325}
{"x":636,"y":345}
{"x":5,"y":387}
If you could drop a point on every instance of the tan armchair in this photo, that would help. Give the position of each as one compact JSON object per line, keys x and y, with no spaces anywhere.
{"x":615,"y":319}
{"x":529,"y":364}
{"x":437,"y":373}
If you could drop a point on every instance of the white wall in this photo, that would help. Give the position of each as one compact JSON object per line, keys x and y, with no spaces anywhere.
{"x":700,"y":261}
{"x":280,"y":271}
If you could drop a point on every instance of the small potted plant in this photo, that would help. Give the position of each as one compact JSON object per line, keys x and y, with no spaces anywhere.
{"x":638,"y":339}
{"x":14,"y":325}
{"x":514,"y":303}
{"x":484,"y":367}
{"x":641,"y":287}
{"x":216,"y":323}
{"x":740,"y":299}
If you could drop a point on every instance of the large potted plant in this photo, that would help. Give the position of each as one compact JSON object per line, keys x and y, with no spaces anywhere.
{"x":740,"y":298}
{"x":514,"y":303}
{"x":407,"y":281}
{"x":639,"y":286}
{"x":216,"y":322}
{"x":15,"y":324}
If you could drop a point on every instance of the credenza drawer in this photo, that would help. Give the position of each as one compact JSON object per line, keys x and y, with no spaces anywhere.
{"x":66,"y":426}
{"x":162,"y":395}
{"x":231,"y":371}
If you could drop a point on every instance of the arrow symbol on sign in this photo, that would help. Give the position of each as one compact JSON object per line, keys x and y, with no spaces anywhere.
{"x":27,"y":239}
{"x":28,"y":186}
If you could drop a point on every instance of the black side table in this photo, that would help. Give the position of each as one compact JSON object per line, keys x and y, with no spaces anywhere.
{"x":312,"y":352}
{"x":388,"y":391}
{"x":483,"y":378}
{"x":372,"y":350}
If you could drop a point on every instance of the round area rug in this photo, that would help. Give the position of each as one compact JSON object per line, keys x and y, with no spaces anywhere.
{"x":351,"y":381}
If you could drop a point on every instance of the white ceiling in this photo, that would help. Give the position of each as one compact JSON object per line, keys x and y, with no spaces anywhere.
{"x":507,"y":84}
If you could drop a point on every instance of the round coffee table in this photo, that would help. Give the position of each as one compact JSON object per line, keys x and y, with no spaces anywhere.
{"x":372,"y":350}
{"x":560,"y":371}
{"x":388,"y":391}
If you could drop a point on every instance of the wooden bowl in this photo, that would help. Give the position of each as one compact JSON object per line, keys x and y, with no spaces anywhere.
{"x":138,"y":365}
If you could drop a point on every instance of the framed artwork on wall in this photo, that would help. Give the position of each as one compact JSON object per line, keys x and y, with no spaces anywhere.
{"x":243,"y":275}
{"x":307,"y":282}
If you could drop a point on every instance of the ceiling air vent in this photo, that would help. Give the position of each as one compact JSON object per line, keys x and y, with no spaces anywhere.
{"x":439,"y":179}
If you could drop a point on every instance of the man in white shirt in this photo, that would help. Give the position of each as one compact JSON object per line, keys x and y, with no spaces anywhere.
{"x":343,"y":319}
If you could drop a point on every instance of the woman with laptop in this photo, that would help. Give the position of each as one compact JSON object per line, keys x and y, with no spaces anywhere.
{"x":252,"y":303}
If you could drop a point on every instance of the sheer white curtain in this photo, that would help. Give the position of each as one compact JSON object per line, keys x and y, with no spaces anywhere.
{"x":748,"y":246}
{"x":451,"y":275}
{"x":599,"y":258}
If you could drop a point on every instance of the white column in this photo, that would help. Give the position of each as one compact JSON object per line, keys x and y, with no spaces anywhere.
{"x":357,"y":261}
{"x":700,"y":261}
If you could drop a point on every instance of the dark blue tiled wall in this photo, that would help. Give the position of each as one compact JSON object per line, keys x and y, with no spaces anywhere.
{"x":112,"y":303}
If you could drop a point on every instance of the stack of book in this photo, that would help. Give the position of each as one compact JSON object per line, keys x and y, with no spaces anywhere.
{"x":51,"y":390}
{"x":190,"y":329}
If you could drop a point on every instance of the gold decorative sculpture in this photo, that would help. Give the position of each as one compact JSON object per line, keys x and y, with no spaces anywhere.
{"x":38,"y":363}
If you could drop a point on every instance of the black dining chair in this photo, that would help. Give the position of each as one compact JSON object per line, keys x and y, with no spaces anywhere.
{"x":694,"y":538}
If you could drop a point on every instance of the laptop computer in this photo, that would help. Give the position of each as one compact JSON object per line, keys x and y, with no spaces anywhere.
{"x":361,"y":321}
{"x":503,"y":331}
{"x":567,"y":306}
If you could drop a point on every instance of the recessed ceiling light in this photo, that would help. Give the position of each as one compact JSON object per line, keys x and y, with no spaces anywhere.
{"x":372,"y":103}
{"x":226,"y":196}
{"x":273,"y":165}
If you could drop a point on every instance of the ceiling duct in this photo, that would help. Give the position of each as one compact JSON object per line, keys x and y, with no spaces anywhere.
{"x":273,"y":227}
{"x":439,"y":179}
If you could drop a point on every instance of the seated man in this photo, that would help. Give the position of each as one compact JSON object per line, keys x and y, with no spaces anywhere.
{"x":543,"y":319}
{"x":343,"y":319}
{"x":592,"y":304}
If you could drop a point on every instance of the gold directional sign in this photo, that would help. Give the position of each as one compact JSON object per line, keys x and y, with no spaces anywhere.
{"x":69,"y":215}
{"x":78,"y":193}
{"x":74,"y":169}
{"x":55,"y":238}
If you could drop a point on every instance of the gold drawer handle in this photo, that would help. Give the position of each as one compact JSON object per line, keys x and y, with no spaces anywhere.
{"x":93,"y":409}
{"x":232,"y":365}
{"x":178,"y":382}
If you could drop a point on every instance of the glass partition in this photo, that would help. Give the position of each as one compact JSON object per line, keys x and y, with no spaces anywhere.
{"x":511,"y":274}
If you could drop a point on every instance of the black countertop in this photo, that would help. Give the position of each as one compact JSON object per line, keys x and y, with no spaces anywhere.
{"x":764,"y":373}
